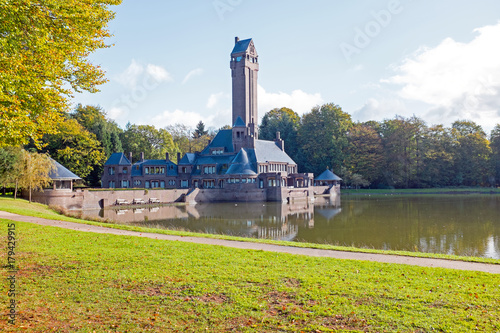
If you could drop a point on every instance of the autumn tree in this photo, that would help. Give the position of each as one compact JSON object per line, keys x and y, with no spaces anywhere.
{"x":285,"y":121}
{"x":33,"y":172}
{"x":437,"y":157}
{"x":365,"y":153}
{"x":495,"y":157}
{"x":323,"y":138}
{"x":402,"y":141}
{"x":471,"y":153}
{"x":9,"y":164}
{"x":44,"y":49}
{"x":75,"y":148}
{"x":154,"y":143}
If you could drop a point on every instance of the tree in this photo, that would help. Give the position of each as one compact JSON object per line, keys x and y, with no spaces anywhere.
{"x":33,"y":173}
{"x":365,"y":153}
{"x":154,"y":143}
{"x":106,"y":131}
{"x":323,"y":138}
{"x":9,"y":163}
{"x":285,"y":121}
{"x":75,"y":148}
{"x":44,"y":61}
{"x":200,"y":130}
{"x":437,"y":157}
{"x":402,"y":140}
{"x":495,"y":157}
{"x":471,"y":153}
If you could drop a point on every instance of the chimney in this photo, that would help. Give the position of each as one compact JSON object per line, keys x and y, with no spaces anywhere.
{"x":142,"y":156}
{"x":167,"y":156}
{"x":130,"y":157}
{"x":236,"y":40}
{"x":178,"y":157}
{"x":279,"y":142}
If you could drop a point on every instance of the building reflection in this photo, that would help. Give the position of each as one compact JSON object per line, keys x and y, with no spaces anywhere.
{"x":257,"y":220}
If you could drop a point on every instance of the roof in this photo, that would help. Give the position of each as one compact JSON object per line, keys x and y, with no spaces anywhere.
{"x":328,"y":175}
{"x":244,"y":163}
{"x":241,"y":46}
{"x":61,"y":173}
{"x":239,"y":122}
{"x":268,"y":151}
{"x":223,"y":139}
{"x":188,"y":158}
{"x":117,"y":159}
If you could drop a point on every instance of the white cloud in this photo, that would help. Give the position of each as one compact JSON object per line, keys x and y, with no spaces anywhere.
{"x":214,"y":99}
{"x":194,"y":72}
{"x":299,"y":101}
{"x":117,"y":113}
{"x":130,"y":76}
{"x":187,"y":118}
{"x":380,"y":109}
{"x":158,"y":73}
{"x":458,"y":80}
{"x":138,"y":75}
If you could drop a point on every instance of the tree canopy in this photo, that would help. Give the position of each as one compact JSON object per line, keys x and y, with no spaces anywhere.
{"x":44,"y":60}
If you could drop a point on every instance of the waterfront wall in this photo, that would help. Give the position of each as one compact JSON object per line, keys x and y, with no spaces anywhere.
{"x":96,"y":199}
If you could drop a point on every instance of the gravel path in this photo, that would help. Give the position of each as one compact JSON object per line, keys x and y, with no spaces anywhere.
{"x":384,"y":258}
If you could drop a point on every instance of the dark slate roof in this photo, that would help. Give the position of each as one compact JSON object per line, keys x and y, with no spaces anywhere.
{"x":239,"y":122}
{"x":241,"y":46}
{"x":223,"y":139}
{"x":61,"y":173}
{"x":117,"y":159}
{"x":328,"y":175}
{"x":188,"y":158}
{"x":244,"y":163}
{"x":268,"y":151}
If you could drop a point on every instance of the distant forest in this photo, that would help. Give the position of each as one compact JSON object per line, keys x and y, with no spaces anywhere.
{"x":393,"y":153}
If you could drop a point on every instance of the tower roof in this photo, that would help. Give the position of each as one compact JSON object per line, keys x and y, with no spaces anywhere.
{"x":239,"y":122}
{"x":61,"y":173}
{"x":328,"y":175}
{"x":117,"y":159}
{"x":241,"y":46}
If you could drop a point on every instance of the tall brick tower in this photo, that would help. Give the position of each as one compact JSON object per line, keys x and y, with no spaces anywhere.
{"x":244,"y":68}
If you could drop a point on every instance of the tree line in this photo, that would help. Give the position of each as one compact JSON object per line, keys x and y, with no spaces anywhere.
{"x":393,"y":153}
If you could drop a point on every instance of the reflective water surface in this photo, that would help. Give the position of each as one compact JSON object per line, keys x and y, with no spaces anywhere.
{"x":450,"y":224}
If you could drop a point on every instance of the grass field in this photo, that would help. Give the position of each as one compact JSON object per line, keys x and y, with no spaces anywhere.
{"x":72,"y":281}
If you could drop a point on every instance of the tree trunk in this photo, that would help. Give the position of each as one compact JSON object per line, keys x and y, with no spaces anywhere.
{"x":15,"y":191}
{"x":30,"y":194}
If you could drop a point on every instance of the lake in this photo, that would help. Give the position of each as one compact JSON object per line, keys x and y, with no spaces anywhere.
{"x":467,"y":225}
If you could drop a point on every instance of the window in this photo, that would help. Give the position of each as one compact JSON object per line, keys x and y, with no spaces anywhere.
{"x":125,"y":170}
{"x":125,"y":183}
{"x":111,"y":184}
{"x":154,"y":184}
{"x":244,"y":180}
{"x":111,"y":170}
{"x":237,"y":180}
{"x":137,"y":182}
{"x":146,"y":184}
{"x":146,"y":171}
{"x":209,"y":183}
{"x":162,"y":184}
{"x":184,"y":183}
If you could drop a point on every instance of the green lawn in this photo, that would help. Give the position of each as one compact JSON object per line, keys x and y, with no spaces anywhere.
{"x":71,"y":281}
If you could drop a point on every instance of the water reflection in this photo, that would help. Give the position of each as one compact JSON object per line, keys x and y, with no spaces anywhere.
{"x":462,"y":225}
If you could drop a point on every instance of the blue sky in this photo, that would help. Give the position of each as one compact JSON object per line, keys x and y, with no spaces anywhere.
{"x":438,"y":60}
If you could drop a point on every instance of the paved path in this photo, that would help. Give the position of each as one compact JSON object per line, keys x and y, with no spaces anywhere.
{"x":385,"y":258}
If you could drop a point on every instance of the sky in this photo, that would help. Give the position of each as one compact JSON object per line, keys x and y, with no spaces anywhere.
{"x":436,"y":59}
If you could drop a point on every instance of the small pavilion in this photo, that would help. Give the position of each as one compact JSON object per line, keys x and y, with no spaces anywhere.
{"x":327,"y":178}
{"x":62,"y":178}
